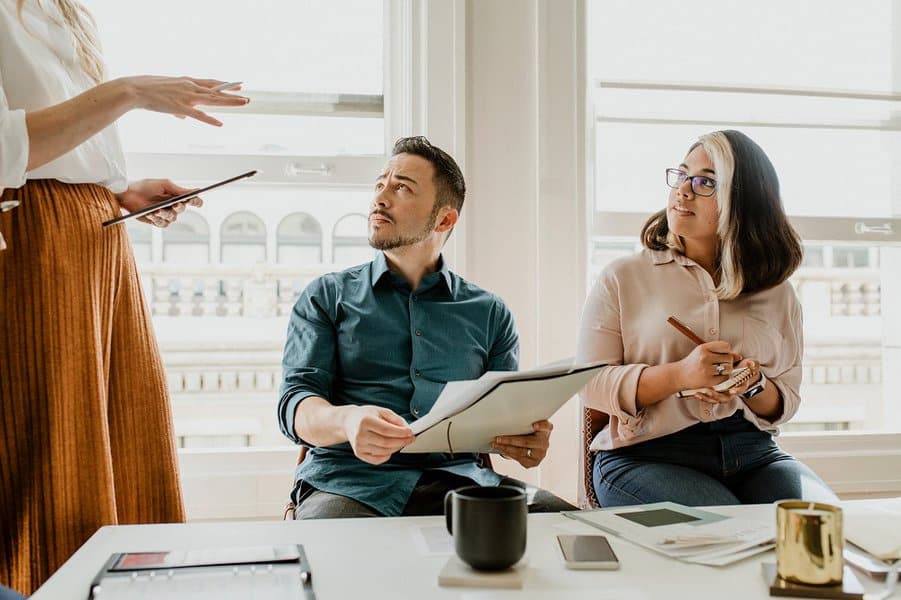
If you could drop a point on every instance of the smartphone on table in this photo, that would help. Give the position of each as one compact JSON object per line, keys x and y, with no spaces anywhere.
{"x":587,"y":552}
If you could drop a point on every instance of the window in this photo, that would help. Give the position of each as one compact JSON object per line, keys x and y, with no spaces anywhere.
{"x":243,"y":239}
{"x":823,"y":108}
{"x":350,"y":242}
{"x":299,"y":239}
{"x":222,"y":280}
{"x":298,"y":61}
{"x":187,"y":241}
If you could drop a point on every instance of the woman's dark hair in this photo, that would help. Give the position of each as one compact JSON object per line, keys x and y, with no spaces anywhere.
{"x":759,"y":248}
{"x":450,"y":187}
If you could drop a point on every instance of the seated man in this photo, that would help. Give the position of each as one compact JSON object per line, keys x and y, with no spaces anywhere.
{"x":370,"y":348}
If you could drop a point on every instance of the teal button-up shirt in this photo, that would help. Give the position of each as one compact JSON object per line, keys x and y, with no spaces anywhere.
{"x":363,"y":337}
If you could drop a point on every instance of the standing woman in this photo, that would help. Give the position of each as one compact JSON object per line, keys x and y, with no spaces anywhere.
{"x":718,"y":258}
{"x":84,"y":410}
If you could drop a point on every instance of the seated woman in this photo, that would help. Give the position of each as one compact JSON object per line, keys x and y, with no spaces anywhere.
{"x":717,"y":258}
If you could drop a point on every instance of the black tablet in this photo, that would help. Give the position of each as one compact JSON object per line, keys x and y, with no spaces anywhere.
{"x":176,"y":199}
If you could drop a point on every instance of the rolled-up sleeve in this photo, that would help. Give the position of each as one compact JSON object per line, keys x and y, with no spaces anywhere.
{"x":614,"y":390}
{"x":309,"y":362}
{"x":784,"y":371}
{"x":13,"y":144}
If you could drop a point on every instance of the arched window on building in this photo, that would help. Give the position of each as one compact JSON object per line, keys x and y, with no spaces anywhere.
{"x":139,"y":233}
{"x":243,"y":239}
{"x":187,"y":241}
{"x":350,"y":241}
{"x":299,"y":238}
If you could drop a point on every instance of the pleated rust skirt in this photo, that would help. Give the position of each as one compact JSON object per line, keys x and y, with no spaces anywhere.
{"x":85,"y":421}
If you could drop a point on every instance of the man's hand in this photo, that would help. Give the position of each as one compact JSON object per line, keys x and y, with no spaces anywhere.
{"x":376,"y":433}
{"x":528,"y":450}
{"x":147,"y":191}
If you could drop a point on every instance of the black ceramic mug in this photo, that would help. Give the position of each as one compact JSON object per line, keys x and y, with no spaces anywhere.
{"x":488,"y":525}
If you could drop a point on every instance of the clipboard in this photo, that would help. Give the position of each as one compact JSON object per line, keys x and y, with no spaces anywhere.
{"x":223,"y":573}
{"x":468,"y":415}
{"x":176,"y":199}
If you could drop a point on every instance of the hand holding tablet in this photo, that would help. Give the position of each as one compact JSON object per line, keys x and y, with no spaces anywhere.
{"x":176,"y":199}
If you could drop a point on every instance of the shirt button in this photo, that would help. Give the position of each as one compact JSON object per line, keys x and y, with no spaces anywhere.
{"x":416,"y":373}
{"x":713,"y":332}
{"x":415,"y":298}
{"x":415,"y":411}
{"x":418,"y":332}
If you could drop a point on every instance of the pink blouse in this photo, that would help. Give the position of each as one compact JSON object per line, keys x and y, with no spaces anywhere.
{"x":624,"y":324}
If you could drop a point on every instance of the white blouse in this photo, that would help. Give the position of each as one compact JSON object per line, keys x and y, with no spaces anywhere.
{"x":39,"y":67}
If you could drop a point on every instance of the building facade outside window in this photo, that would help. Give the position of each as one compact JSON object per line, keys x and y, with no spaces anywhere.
{"x":299,"y":239}
{"x":221,"y":281}
{"x":826,"y":113}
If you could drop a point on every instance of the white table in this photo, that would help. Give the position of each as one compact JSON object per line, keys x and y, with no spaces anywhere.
{"x":380,"y":558}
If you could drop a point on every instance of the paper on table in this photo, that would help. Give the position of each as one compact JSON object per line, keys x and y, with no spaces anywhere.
{"x":655,"y":526}
{"x":875,"y":526}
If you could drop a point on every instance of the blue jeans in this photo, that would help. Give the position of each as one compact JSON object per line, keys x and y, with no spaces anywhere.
{"x":728,"y":461}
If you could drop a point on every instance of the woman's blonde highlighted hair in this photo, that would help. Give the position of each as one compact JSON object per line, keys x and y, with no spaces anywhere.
{"x":79,"y":21}
{"x":758,"y":247}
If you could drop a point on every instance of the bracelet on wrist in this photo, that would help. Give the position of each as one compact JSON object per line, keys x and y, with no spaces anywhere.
{"x":756,"y":388}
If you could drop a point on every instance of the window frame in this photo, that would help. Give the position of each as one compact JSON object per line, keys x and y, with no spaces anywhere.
{"x":855,"y":464}
{"x":202,"y":469}
{"x":423,"y":92}
{"x":439,"y":90}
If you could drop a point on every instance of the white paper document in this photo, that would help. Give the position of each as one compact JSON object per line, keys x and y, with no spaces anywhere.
{"x":684,"y":533}
{"x":875,"y":526}
{"x":468,"y":415}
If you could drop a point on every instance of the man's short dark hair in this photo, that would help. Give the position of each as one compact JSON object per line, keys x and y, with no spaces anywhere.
{"x":450,"y":187}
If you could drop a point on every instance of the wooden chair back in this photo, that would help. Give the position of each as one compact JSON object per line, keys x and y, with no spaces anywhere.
{"x":593,"y":421}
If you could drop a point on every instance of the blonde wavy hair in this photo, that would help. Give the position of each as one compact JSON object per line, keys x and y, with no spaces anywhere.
{"x":79,"y":21}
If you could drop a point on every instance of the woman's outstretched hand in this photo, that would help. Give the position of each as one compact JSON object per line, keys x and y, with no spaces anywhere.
{"x":180,"y":96}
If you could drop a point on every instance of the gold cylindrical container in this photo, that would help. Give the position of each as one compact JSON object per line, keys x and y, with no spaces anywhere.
{"x":809,"y":542}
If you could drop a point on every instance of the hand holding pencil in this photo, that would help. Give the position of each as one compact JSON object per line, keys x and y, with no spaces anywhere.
{"x":710,"y":364}
{"x":687,"y":332}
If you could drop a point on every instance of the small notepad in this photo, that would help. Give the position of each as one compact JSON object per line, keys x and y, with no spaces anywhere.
{"x":456,"y":573}
{"x":739,"y":377}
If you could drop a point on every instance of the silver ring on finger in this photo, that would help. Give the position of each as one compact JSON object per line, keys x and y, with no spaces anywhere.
{"x":529,"y":452}
{"x":720,"y":369}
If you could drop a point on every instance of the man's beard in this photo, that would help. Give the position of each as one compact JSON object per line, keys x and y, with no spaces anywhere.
{"x":399,"y":241}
